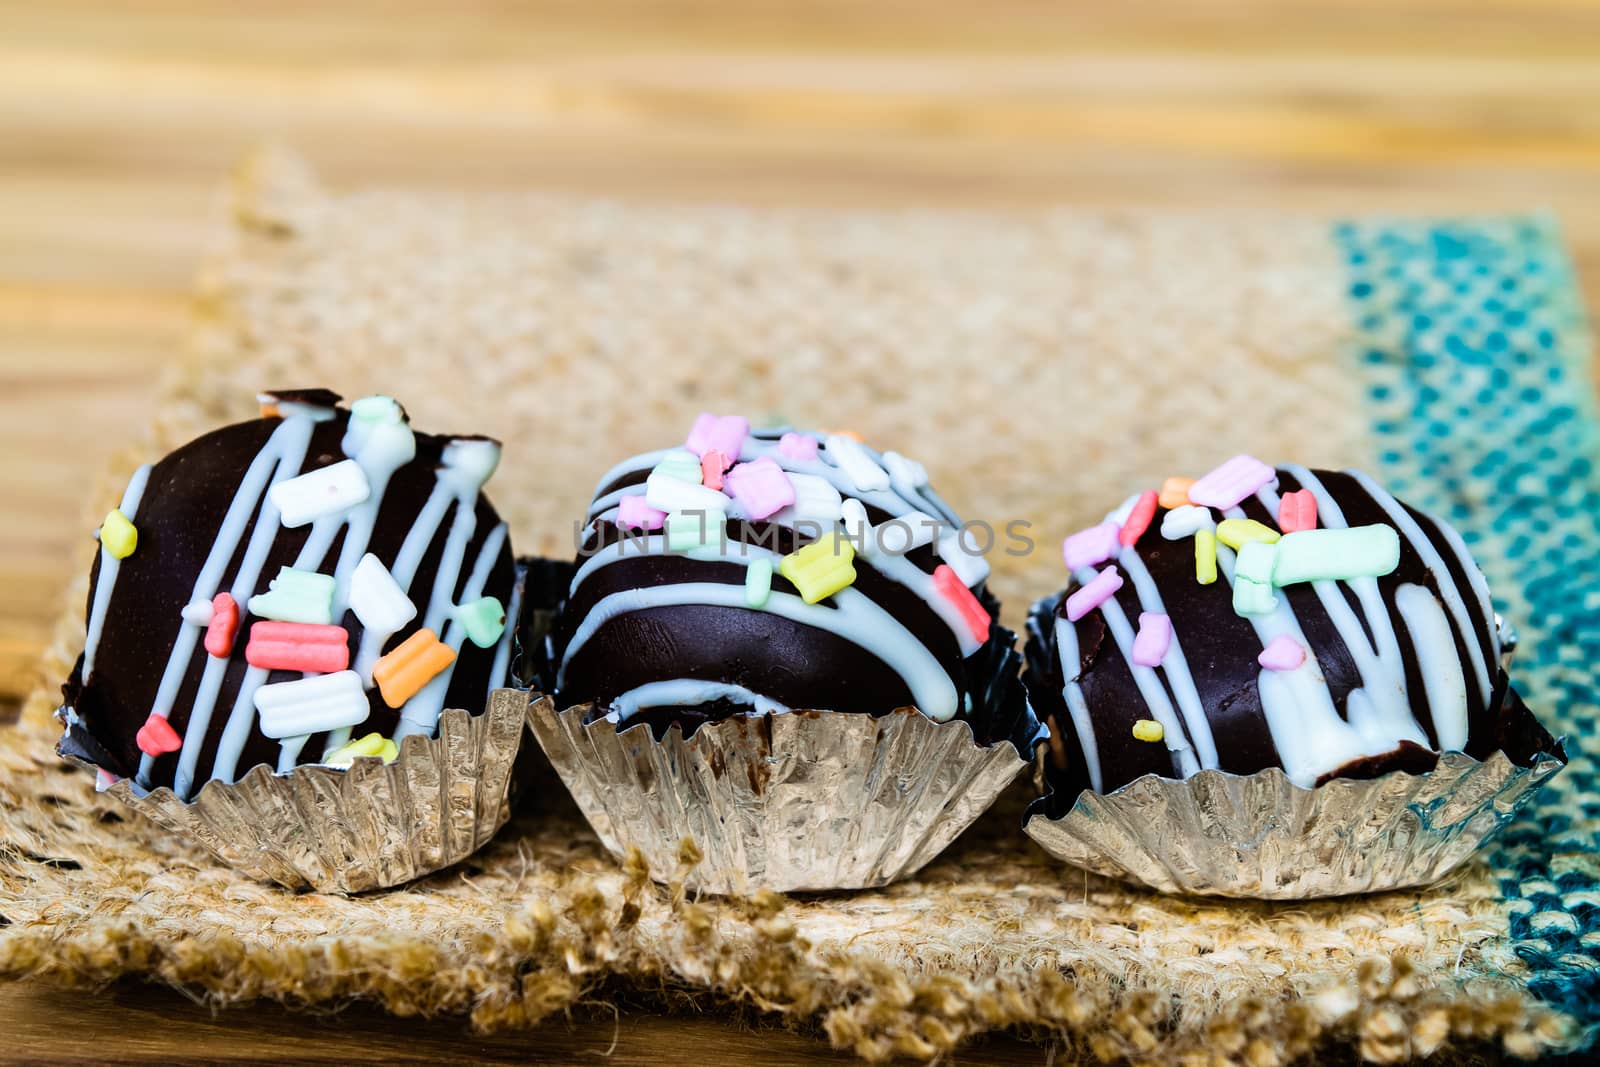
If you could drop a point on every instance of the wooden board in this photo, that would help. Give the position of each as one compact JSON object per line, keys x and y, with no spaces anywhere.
{"x":116,"y":121}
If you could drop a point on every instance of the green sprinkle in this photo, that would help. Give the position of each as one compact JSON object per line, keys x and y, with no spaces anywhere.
{"x":1339,"y":555}
{"x":1255,"y":562}
{"x":681,"y":465}
{"x":484,"y":620}
{"x":687,"y":531}
{"x":375,"y":409}
{"x":296,"y":596}
{"x":1253,"y":598}
{"x":758,"y":582}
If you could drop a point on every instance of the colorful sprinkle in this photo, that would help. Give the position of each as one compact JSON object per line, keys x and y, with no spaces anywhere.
{"x":849,"y":434}
{"x":1097,"y":591}
{"x":898,"y":536}
{"x":296,"y":596}
{"x":1297,"y":511}
{"x":118,"y":536}
{"x":377,"y":599}
{"x":484,"y":620}
{"x":1231,"y":482}
{"x":223,"y":627}
{"x":635,"y":513}
{"x":815,"y":501}
{"x":903,"y":471}
{"x":1186,"y":520}
{"x":687,"y":531}
{"x":758,"y":582}
{"x":679,"y":464}
{"x":198,"y":613}
{"x":1283,"y":653}
{"x":761,"y":487}
{"x":1253,"y":598}
{"x":324,"y":491}
{"x":724,"y":433}
{"x":797,"y":446}
{"x":157,"y":737}
{"x":821,"y":568}
{"x":1205,"y":556}
{"x":853,"y":514}
{"x":312,"y":705}
{"x":371,"y":745}
{"x":298,"y":646}
{"x":857,"y":463}
{"x":712,"y":464}
{"x":1150,"y":644}
{"x":1091,"y":547}
{"x":1174,"y":492}
{"x":968,"y":563}
{"x":1139,"y":518}
{"x":1252,"y":580}
{"x":1148,"y":730}
{"x":667,"y":492}
{"x":402,"y":673}
{"x":1236,"y":533}
{"x":1339,"y":555}
{"x":949,"y":584}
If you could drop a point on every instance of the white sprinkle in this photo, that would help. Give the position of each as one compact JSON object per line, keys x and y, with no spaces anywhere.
{"x":321,"y":492}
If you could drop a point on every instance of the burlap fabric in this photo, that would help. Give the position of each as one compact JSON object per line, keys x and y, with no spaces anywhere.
{"x":1042,"y":365}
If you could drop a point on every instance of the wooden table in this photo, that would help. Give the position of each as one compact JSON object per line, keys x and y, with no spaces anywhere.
{"x":117,"y":120}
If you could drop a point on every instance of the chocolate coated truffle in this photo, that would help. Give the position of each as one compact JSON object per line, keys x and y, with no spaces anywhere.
{"x":306,"y":587}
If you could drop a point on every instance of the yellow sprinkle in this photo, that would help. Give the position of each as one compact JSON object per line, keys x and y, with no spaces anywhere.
{"x":1148,"y":730}
{"x":371,"y":745}
{"x":1205,"y":557}
{"x":1236,"y":533}
{"x":389,"y":751}
{"x":820,"y":569}
{"x":118,"y":536}
{"x":1174,"y":492}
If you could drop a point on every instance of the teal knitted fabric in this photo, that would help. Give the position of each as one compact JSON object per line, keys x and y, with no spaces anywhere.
{"x":1476,"y":360}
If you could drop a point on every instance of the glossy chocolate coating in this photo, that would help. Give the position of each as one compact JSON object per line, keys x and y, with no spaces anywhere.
{"x":178,"y":518}
{"x":1221,"y":648}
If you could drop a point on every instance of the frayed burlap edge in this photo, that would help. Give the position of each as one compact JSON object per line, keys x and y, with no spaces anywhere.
{"x":541,"y":918}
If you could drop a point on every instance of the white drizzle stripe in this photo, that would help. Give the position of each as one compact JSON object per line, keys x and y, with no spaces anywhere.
{"x":1174,"y":663}
{"x":1447,"y":587}
{"x":855,"y":618}
{"x":110,"y":567}
{"x":687,"y":692}
{"x":1077,"y":707}
{"x":1442,"y":679}
{"x":1480,"y":584}
{"x":1381,"y":708}
{"x":421,"y":713}
{"x":1149,"y":683}
{"x":279,"y":459}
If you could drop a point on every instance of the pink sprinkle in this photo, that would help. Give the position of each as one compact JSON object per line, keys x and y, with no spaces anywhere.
{"x":725,"y":433}
{"x":761,"y":487}
{"x":1139,"y":518}
{"x":634,"y":513}
{"x":1231,"y":482}
{"x":1086,"y":548}
{"x":1103,"y":586}
{"x":1150,"y":644}
{"x":157,"y":737}
{"x":947,"y":582}
{"x":1297,"y":511}
{"x":798,"y":446}
{"x":1284,"y":653}
{"x":298,"y":646}
{"x":224,"y":626}
{"x":712,"y":464}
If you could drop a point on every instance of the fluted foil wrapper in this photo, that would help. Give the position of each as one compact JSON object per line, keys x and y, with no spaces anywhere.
{"x":366,"y":827}
{"x":1262,"y":836}
{"x":804,"y":800}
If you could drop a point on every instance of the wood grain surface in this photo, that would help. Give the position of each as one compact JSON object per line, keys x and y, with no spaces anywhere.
{"x":118,"y":120}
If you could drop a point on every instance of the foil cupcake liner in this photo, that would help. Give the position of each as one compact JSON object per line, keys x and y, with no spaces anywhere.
{"x":370,"y":826}
{"x":1261,"y":836}
{"x":803,"y":800}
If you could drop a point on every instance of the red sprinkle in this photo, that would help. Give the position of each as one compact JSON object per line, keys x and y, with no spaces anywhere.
{"x":157,"y":737}
{"x":712,"y":464}
{"x":298,"y":646}
{"x":224,"y":626}
{"x":950,"y":585}
{"x":1297,"y":511}
{"x":1139,"y":518}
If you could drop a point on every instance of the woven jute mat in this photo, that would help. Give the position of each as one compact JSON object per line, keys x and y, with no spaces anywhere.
{"x":1042,"y":365}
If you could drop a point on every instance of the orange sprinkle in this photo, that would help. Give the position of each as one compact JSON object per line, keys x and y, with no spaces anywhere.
{"x":270,"y":411}
{"x":850,"y":434}
{"x":402,"y":673}
{"x":1175,"y":492}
